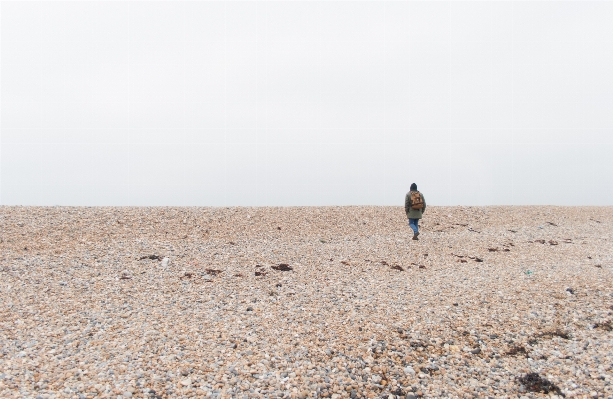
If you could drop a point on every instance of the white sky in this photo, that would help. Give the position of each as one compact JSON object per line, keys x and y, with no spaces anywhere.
{"x":306,"y":103}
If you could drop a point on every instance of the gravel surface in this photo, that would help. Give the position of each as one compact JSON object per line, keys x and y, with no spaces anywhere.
{"x":306,"y":302}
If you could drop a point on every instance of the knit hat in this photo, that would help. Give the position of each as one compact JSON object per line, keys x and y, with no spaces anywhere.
{"x":413,"y":187}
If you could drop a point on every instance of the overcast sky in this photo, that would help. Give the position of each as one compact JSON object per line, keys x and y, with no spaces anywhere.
{"x":306,"y":103}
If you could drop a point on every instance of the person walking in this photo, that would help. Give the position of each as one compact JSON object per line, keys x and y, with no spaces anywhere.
{"x":414,"y":207}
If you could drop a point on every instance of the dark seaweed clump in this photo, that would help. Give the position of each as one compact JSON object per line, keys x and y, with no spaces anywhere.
{"x":517,"y":350}
{"x":535,"y":383}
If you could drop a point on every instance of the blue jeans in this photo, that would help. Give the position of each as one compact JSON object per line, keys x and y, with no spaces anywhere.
{"x":413,"y":223}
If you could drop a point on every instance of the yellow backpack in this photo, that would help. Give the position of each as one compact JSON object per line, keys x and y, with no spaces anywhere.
{"x":416,"y":200}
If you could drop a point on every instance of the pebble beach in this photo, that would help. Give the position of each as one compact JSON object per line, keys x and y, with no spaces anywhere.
{"x":306,"y":302}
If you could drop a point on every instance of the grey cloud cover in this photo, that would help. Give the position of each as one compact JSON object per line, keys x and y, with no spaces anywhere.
{"x":306,"y":103}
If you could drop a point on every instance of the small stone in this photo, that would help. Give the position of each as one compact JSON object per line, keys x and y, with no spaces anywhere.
{"x":249,"y":309}
{"x":410,"y":396}
{"x":165,"y":262}
{"x":409,"y":370}
{"x":476,"y":351}
{"x":186,"y":382}
{"x":127,"y":394}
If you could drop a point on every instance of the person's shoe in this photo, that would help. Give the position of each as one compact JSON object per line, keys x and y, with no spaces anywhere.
{"x":415,"y":236}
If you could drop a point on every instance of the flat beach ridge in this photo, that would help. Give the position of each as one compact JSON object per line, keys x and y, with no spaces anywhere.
{"x":305,"y":302}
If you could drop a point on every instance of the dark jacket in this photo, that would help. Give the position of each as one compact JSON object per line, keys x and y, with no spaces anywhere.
{"x":413,"y":213}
